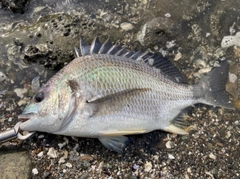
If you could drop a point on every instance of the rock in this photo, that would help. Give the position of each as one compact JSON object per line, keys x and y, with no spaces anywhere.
{"x":231,"y":40}
{"x":14,"y":164}
{"x":34,"y":171}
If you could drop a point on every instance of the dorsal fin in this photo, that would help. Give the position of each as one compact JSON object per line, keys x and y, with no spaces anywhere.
{"x":95,"y":46}
{"x":105,"y":47}
{"x":154,"y":60}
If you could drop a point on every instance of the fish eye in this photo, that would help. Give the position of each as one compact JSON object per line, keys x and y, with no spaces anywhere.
{"x":39,"y":97}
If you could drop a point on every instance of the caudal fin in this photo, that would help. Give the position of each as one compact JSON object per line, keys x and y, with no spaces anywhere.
{"x":212,"y":89}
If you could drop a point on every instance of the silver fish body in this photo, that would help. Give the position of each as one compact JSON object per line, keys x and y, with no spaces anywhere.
{"x":107,"y":96}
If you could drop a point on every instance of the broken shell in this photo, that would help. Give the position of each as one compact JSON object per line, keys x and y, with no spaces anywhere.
{"x":52,"y":153}
{"x":178,"y":56}
{"x":147,"y":166}
{"x":20,"y":91}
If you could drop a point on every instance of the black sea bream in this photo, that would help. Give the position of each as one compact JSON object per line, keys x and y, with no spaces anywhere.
{"x":108,"y":92}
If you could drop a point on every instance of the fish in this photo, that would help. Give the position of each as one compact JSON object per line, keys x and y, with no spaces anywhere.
{"x":109,"y":92}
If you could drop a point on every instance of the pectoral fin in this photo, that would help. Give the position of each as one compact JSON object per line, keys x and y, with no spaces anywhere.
{"x":117,"y":143}
{"x":114,"y":103}
{"x":129,"y":92}
{"x":74,"y":102}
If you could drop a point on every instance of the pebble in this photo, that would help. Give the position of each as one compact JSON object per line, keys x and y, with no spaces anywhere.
{"x":76,"y":147}
{"x":52,"y":153}
{"x":61,"y":145}
{"x":178,"y":56}
{"x":86,"y":157}
{"x":10,"y":119}
{"x":170,"y":44}
{"x":126,"y":26}
{"x":148,"y":167}
{"x":84,"y":176}
{"x":69,"y":165}
{"x":100,"y":167}
{"x":41,"y":136}
{"x":204,"y":70}
{"x":3,"y":77}
{"x":65,"y":155}
{"x":135,"y":166}
{"x":21,"y":102}
{"x":168,"y":144}
{"x":34,"y":171}
{"x":200,"y":63}
{"x":61,"y":160}
{"x":40,"y":154}
{"x":228,"y":135}
{"x":208,"y":34}
{"x":230,"y":40}
{"x":212,"y":156}
{"x":170,"y":156}
{"x":232,"y":77}
{"x":150,"y":61}
{"x":167,"y":15}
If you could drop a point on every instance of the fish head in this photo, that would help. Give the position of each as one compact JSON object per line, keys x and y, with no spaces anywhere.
{"x":46,"y":111}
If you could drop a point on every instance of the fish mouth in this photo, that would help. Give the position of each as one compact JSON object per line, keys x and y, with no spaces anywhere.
{"x":24,"y":117}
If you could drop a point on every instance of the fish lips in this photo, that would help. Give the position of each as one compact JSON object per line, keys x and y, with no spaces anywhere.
{"x":25,"y":117}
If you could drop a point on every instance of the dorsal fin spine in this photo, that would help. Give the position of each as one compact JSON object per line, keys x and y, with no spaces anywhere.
{"x":154,"y":60}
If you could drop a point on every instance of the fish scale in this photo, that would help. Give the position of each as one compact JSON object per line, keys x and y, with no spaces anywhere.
{"x":109,"y":92}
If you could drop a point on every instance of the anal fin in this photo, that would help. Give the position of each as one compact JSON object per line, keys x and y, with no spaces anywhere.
{"x":179,"y":124}
{"x":115,"y":143}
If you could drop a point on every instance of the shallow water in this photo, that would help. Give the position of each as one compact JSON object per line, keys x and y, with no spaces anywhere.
{"x":40,"y":42}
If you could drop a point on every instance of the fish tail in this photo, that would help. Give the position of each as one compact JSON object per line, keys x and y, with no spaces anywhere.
{"x":212,"y":89}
